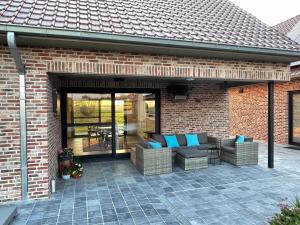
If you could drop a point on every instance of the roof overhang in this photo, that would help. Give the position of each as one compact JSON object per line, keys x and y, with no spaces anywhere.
{"x":31,"y":36}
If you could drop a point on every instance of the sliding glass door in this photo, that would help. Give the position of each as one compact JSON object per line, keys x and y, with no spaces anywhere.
{"x":89,"y":123}
{"x":108,"y":123}
{"x":134,"y":119}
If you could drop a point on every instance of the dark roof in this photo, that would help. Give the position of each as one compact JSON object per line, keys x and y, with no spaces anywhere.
{"x":204,"y":21}
{"x":286,"y":26}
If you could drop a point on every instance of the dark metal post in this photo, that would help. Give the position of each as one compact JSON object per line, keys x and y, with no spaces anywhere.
{"x":271,"y":124}
{"x":113,"y":124}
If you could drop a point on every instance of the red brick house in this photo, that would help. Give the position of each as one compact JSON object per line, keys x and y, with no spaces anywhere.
{"x":252,"y":120}
{"x":73,"y":73}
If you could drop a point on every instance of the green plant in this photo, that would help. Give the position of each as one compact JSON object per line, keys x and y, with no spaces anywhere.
{"x":66,"y":153}
{"x":297,"y":202}
{"x":77,"y":169}
{"x":289,"y":214}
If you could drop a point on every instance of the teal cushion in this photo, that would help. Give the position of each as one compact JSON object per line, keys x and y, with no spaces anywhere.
{"x":155,"y":145}
{"x":240,"y":139}
{"x":171,"y":141}
{"x":192,"y":140}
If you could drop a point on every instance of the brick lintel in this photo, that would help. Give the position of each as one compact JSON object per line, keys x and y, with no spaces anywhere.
{"x":165,"y":71}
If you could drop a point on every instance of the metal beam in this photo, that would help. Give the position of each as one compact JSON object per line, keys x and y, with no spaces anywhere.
{"x":271,"y":124}
{"x":11,"y":40}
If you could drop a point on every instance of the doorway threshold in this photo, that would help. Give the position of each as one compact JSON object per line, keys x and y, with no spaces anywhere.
{"x":293,"y":147}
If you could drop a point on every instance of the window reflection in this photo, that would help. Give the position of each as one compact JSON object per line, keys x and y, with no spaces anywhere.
{"x":89,"y":125}
{"x":296,"y":118}
{"x":135,"y":118}
{"x":89,"y":121}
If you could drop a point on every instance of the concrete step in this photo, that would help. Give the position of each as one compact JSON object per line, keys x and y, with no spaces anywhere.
{"x":7,"y":214}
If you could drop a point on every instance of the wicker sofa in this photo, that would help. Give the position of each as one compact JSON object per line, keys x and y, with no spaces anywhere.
{"x":239,"y":153}
{"x":206,"y":143}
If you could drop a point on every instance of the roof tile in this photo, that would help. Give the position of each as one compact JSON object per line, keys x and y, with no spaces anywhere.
{"x":212,"y":21}
{"x":286,"y":26}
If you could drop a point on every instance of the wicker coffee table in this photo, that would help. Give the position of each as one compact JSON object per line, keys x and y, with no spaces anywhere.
{"x":191,"y":163}
{"x":214,"y":156}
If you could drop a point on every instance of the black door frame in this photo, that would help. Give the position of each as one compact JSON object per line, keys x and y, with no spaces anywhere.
{"x":63,"y":95}
{"x":291,"y":117}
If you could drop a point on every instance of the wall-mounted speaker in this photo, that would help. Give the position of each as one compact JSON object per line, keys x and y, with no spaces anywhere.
{"x":178,"y":92}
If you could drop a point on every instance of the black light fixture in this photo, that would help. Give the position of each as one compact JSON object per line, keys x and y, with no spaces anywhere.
{"x":56,"y":102}
{"x":190,"y":79}
{"x":241,"y":90}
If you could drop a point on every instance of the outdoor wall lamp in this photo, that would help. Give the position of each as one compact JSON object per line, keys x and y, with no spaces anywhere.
{"x":56,"y":102}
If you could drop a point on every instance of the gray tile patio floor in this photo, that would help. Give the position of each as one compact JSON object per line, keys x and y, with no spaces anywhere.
{"x":115,"y":193}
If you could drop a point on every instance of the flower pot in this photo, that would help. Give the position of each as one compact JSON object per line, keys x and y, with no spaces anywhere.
{"x":66,"y":177}
{"x":76,"y":176}
{"x":65,"y":163}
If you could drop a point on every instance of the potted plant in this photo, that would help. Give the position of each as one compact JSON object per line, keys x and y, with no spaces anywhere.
{"x":77,"y":169}
{"x":65,"y":157}
{"x":66,"y":172}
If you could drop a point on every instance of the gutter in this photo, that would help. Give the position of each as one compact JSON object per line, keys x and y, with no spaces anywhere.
{"x":293,"y":64}
{"x":116,"y":38}
{"x":11,"y":40}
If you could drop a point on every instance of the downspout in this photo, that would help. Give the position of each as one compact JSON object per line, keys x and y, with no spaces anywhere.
{"x":11,"y":40}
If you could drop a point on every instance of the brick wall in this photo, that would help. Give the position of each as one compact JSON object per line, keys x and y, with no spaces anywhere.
{"x":124,"y":64}
{"x":54,"y":133}
{"x":37,"y":127}
{"x":10,"y":177}
{"x":248,"y":112}
{"x":43,"y":127}
{"x":206,"y":110}
{"x":251,"y":119}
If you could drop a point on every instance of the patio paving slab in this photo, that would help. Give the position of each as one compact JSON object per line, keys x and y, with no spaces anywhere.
{"x":115,"y":193}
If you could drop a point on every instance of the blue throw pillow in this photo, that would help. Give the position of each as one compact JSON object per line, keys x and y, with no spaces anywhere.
{"x":171,"y":141}
{"x":240,"y":139}
{"x":192,"y":140}
{"x":155,"y":145}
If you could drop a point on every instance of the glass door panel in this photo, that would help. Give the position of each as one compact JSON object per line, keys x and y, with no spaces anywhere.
{"x":134,"y":118}
{"x":89,"y":123}
{"x":296,"y":118}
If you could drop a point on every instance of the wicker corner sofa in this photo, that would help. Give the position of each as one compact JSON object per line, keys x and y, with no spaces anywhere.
{"x":239,"y":154}
{"x":151,"y":161}
{"x":206,"y":142}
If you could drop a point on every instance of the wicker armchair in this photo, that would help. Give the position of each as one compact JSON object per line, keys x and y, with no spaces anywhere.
{"x":153,"y":161}
{"x":239,"y":153}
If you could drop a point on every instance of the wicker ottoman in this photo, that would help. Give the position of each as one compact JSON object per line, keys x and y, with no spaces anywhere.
{"x":192,"y":159}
